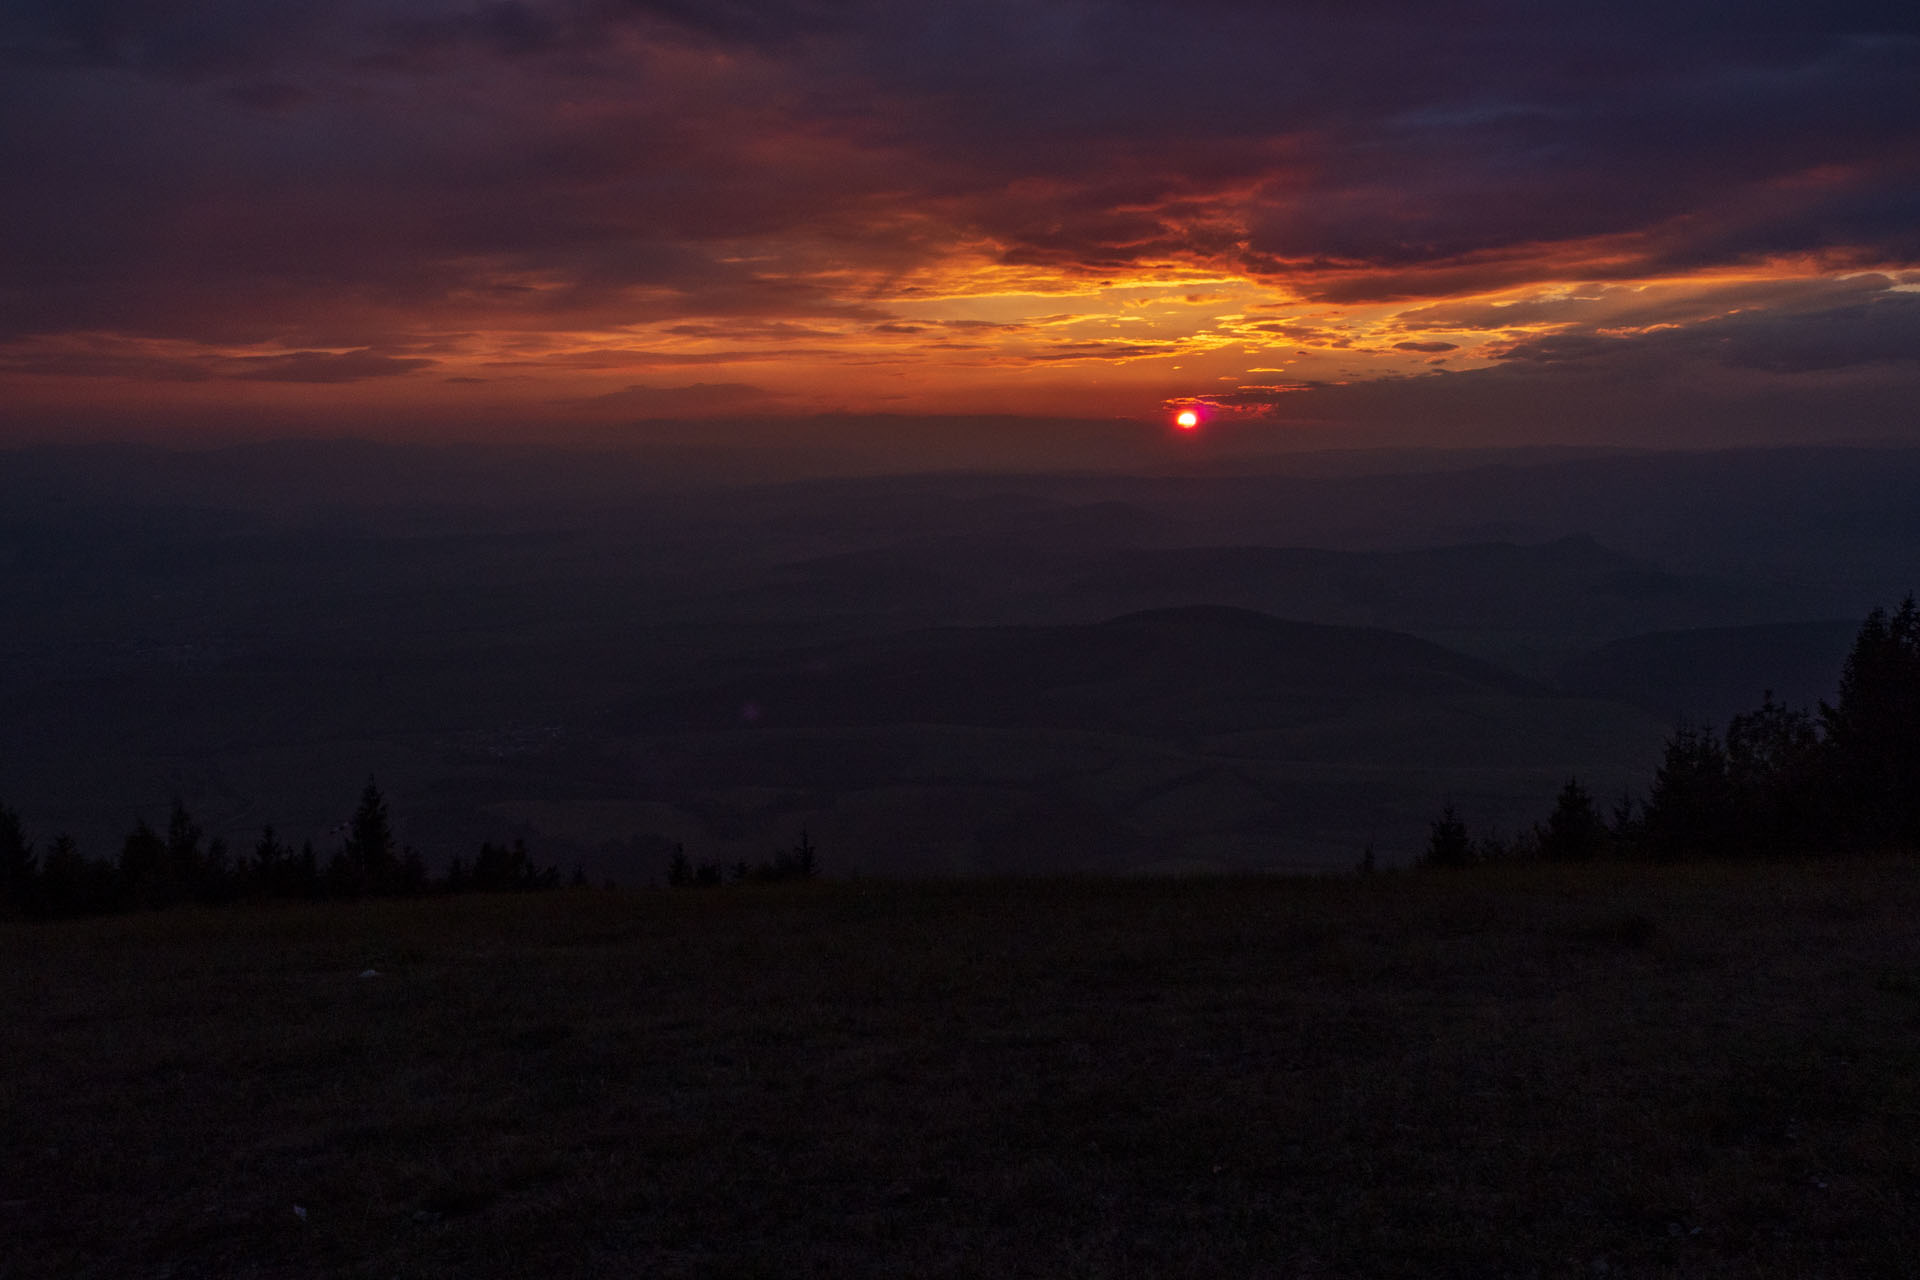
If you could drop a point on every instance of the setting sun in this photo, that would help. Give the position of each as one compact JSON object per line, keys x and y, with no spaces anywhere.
{"x":1186,"y":419}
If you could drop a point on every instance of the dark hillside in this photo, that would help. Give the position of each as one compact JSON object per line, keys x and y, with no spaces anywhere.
{"x":1563,"y":588}
{"x":1178,"y":672}
{"x":1535,"y":603}
{"x":1709,"y":674}
{"x":1198,"y":738}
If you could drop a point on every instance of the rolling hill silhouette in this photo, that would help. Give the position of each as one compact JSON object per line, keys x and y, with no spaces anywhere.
{"x":1531,"y":607}
{"x":1175,"y":672}
{"x":1709,"y":674}
{"x":1193,"y":737}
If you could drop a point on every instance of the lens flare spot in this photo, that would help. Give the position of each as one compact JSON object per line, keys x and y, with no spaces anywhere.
{"x":1186,"y":419}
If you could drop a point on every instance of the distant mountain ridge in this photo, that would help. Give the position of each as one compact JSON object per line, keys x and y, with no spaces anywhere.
{"x":1186,"y":670}
{"x":1706,"y":675}
{"x":1533,"y":605}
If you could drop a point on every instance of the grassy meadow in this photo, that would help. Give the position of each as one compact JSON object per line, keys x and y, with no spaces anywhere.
{"x":1511,"y":1071}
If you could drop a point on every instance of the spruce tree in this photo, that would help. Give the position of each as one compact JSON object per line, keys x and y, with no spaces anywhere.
{"x":1448,"y":844}
{"x":1776,"y":768}
{"x":271,"y":863}
{"x":372,"y":866}
{"x":143,"y":867}
{"x":70,"y":884}
{"x":1691,"y":811}
{"x":184,"y":859}
{"x":1873,"y":731}
{"x":1574,"y":830}
{"x":18,"y":872}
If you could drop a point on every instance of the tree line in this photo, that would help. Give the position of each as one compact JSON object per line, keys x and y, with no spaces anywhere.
{"x":180,"y":865}
{"x":801,"y":862}
{"x":1780,"y":781}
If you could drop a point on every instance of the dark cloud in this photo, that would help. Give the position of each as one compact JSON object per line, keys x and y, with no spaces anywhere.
{"x":642,"y":401}
{"x":1430,"y":348}
{"x":1315,"y":335}
{"x":1060,"y":351}
{"x":779,"y":329}
{"x":269,"y":95}
{"x":1263,"y":396}
{"x":1658,"y":406}
{"x":1882,"y":330}
{"x":1836,"y":361}
{"x":755,"y":22}
{"x":506,"y":28}
{"x":121,"y":360}
{"x":323,"y":366}
{"x":102,"y":360}
{"x":628,"y":357}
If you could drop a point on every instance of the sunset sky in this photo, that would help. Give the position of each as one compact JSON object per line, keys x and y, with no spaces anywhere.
{"x":1362,"y":221}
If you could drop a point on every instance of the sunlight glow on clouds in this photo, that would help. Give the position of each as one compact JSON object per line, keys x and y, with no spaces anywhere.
{"x":534,"y":216}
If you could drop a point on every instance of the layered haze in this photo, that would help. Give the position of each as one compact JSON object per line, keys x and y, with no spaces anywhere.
{"x":945,"y":673}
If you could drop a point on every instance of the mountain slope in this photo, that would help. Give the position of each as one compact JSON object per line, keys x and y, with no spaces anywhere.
{"x":1716,"y":672}
{"x":1164,"y":672}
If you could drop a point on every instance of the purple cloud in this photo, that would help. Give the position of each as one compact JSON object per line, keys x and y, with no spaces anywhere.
{"x":323,"y":366}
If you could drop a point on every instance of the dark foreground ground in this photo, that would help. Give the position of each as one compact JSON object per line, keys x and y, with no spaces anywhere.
{"x":1612,"y":1070}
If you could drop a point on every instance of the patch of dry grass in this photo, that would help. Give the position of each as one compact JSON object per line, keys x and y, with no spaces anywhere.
{"x":1694,"y":1071}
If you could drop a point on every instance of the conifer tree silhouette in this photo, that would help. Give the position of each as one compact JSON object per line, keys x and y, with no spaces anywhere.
{"x":18,"y":872}
{"x":1873,"y":730}
{"x":142,"y":866}
{"x":1448,"y":844}
{"x":183,"y":860}
{"x":371,"y":863}
{"x":71,"y":885}
{"x":1574,"y":830}
{"x":1690,"y":810}
{"x":1777,"y":769}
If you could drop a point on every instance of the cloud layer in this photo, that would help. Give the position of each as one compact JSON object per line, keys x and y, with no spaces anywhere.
{"x":523,"y":207}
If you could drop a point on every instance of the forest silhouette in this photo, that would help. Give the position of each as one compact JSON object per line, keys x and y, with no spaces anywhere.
{"x":1779,"y":781}
{"x":156,"y":869}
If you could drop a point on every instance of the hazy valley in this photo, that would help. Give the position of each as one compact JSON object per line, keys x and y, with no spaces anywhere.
{"x":935,"y":673}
